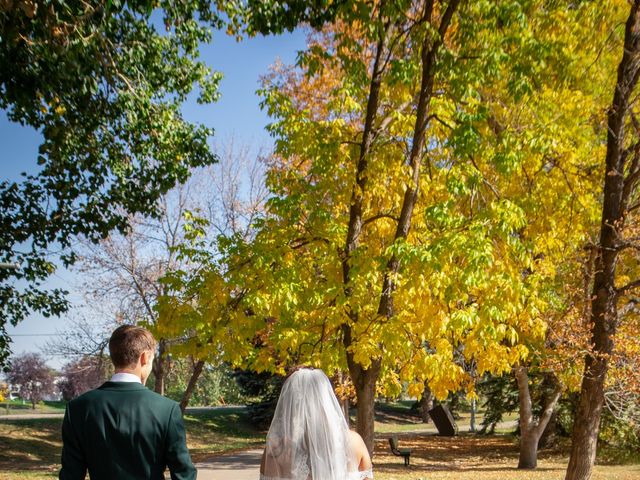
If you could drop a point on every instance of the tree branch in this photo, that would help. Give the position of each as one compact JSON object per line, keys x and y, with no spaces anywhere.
{"x":549,"y":407}
{"x":435,"y":116}
{"x":627,"y":288}
{"x":379,"y":216}
{"x":306,"y":241}
{"x":446,"y":18}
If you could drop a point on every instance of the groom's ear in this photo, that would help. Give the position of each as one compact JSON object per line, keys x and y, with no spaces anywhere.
{"x":146,"y":357}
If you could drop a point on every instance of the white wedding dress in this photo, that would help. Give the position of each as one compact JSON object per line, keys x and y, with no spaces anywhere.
{"x":309,"y":438}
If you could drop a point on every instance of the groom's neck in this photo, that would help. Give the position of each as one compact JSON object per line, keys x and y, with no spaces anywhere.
{"x":141,"y":368}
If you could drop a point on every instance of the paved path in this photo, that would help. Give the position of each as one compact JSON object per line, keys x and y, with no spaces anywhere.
{"x":243,"y":465}
{"x":30,"y":416}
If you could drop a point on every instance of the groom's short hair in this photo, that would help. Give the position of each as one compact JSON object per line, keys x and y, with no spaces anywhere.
{"x":127,"y":343}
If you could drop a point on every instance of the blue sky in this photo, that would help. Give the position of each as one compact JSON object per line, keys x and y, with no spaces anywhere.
{"x":237,"y":113}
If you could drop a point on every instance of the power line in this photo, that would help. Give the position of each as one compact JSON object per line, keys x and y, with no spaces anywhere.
{"x":36,"y":334}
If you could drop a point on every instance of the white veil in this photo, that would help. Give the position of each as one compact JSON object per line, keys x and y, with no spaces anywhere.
{"x":309,"y":436}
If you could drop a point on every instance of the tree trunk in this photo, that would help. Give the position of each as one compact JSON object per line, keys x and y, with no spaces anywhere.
{"x":357,"y":194}
{"x":197,"y":370}
{"x":550,"y":434}
{"x":604,"y":314}
{"x":425,"y":403}
{"x":472,"y":421}
{"x":428,"y":53}
{"x":364,"y":381}
{"x":158,"y":368}
{"x":587,"y":421}
{"x":366,"y":392}
{"x":531,"y":429}
{"x":528,"y":458}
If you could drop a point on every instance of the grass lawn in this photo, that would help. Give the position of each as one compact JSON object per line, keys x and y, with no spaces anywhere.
{"x":17,"y":407}
{"x":398,"y":417}
{"x":29,"y":448}
{"x":217,"y":431}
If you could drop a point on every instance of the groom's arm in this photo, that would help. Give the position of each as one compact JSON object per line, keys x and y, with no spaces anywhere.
{"x":177,"y":455}
{"x":74,"y":466}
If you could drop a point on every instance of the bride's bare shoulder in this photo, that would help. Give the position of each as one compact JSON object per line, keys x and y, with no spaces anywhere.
{"x":359,"y":449}
{"x":356,"y":440}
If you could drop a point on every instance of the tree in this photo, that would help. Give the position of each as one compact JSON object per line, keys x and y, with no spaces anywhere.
{"x":622,"y":171}
{"x":424,"y":404}
{"x":432,"y":185}
{"x":412,"y":228}
{"x":84,"y":337}
{"x":263,"y":390}
{"x":215,"y":385}
{"x":531,"y":429}
{"x":123,"y":271}
{"x":82,"y":375}
{"x":104,"y":87}
{"x":276,"y":16}
{"x":187,"y":305}
{"x":500,"y":396}
{"x":374,"y":50}
{"x":32,"y":376}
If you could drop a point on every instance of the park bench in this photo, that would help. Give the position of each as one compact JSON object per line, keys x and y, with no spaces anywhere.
{"x":405,"y":453}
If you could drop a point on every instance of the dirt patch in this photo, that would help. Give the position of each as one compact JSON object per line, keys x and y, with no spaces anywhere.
{"x":478,"y":457}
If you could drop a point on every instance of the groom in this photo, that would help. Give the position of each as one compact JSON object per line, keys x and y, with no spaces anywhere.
{"x":122,"y":430}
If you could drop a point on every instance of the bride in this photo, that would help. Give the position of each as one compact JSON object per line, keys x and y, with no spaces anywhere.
{"x":309,"y":438}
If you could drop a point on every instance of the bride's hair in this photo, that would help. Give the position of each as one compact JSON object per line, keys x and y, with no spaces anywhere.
{"x":308,"y":437}
{"x":293,"y":369}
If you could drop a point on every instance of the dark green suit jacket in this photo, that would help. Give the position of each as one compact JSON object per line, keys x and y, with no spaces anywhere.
{"x":123,"y":431}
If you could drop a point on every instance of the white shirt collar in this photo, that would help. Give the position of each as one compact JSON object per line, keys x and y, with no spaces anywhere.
{"x":125,"y":377}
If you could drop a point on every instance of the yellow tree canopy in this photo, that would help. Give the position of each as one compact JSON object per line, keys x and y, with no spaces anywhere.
{"x":506,"y":195}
